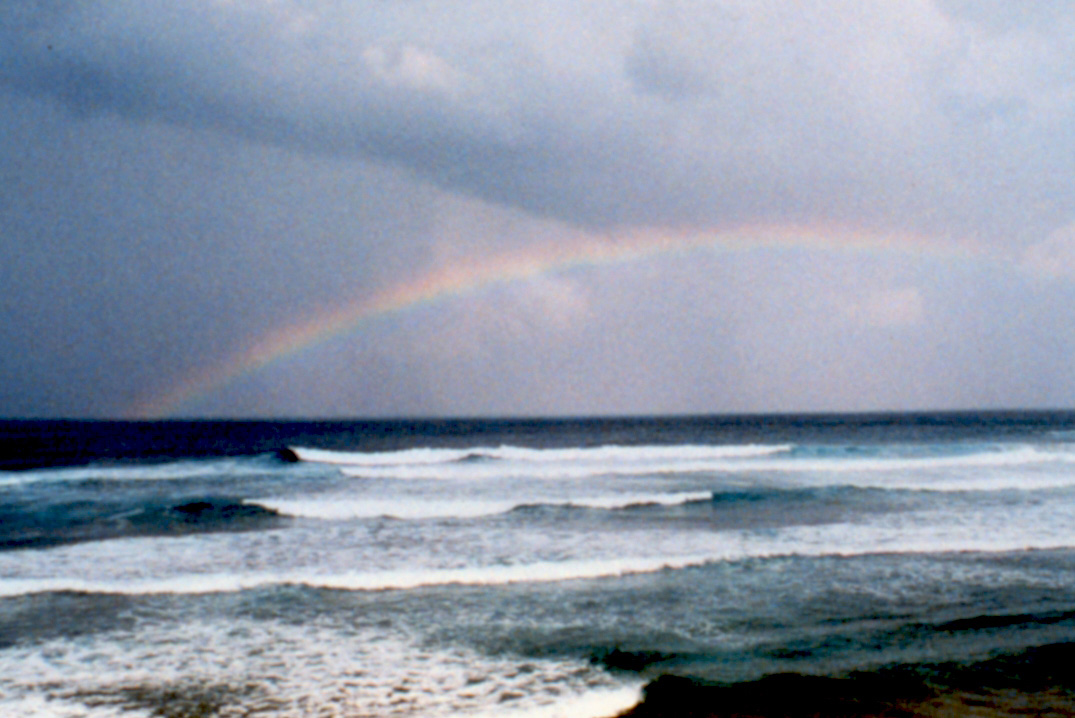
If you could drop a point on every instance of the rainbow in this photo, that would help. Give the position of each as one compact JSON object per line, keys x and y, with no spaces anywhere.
{"x":458,"y":280}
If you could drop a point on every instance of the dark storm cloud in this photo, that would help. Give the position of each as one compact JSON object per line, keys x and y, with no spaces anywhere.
{"x":346,"y":90}
{"x":604,"y":113}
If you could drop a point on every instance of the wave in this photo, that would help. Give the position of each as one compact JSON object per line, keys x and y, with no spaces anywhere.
{"x":964,"y":483}
{"x":339,"y":507}
{"x":800,"y":542}
{"x":349,"y":507}
{"x":1000,"y":456}
{"x":58,"y":524}
{"x":870,"y":467}
{"x":168,"y":471}
{"x":342,"y":508}
{"x":543,"y":572}
{"x":585,"y":455}
{"x":363,"y":458}
{"x":545,"y":470}
{"x":857,"y":463}
{"x":518,"y":453}
{"x":598,"y":701}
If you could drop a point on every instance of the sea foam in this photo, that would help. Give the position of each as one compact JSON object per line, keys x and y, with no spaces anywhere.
{"x":610,"y":461}
{"x":894,"y":534}
{"x":342,"y":507}
{"x":507,"y":461}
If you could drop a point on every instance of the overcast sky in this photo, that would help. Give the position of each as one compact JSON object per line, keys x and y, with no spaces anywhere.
{"x":845,"y":205}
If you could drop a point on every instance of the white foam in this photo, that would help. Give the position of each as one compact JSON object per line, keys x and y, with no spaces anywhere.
{"x":575,"y":464}
{"x":622,"y":502}
{"x":897,"y":533}
{"x":543,"y":572}
{"x":995,"y":457}
{"x":685,"y":452}
{"x":412,"y":460}
{"x":599,"y":703}
{"x":316,"y":668}
{"x":566,"y":470}
{"x":386,"y":458}
{"x":373,"y":555}
{"x":349,"y":507}
{"x":1022,"y":468}
{"x":36,"y":705}
{"x":978,"y":481}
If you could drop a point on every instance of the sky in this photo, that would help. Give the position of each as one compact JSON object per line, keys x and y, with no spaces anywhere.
{"x":398,"y":208}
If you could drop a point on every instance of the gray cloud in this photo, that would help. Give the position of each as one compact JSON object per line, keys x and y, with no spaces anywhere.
{"x":182,"y":178}
{"x":673,"y":112}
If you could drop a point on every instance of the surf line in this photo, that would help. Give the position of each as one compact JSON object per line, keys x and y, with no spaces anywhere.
{"x":458,"y":280}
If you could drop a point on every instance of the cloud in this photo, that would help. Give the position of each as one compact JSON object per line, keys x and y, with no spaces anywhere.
{"x":898,"y":307}
{"x":411,"y":68}
{"x":605,"y":113}
{"x":533,"y":314}
{"x":184,"y":177}
{"x":1053,"y":257}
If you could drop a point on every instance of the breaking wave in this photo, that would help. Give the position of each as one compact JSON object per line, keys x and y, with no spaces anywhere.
{"x":347,"y":507}
{"x":572,"y":464}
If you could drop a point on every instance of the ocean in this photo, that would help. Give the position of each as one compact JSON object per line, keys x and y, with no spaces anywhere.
{"x":533,"y":568}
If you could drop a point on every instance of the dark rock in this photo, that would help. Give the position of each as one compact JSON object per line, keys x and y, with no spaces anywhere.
{"x":629,"y":660}
{"x":286,"y":455}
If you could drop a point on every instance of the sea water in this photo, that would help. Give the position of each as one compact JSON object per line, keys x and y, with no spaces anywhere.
{"x":530,"y":568}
